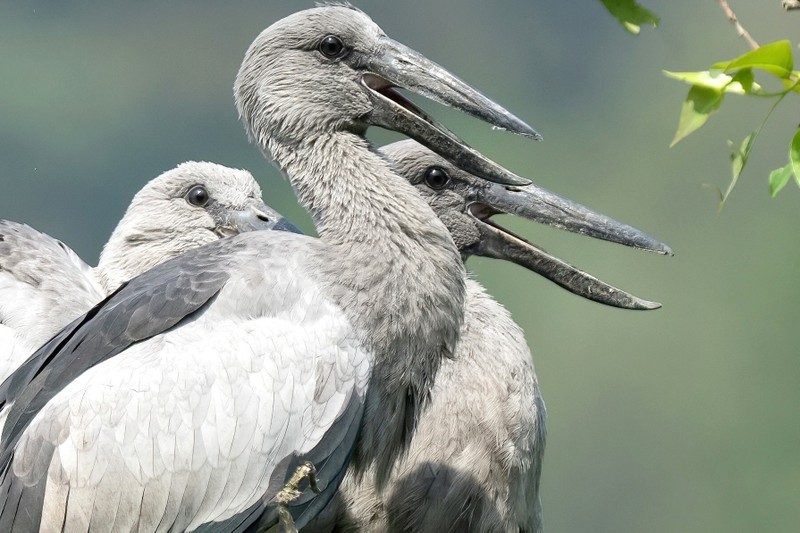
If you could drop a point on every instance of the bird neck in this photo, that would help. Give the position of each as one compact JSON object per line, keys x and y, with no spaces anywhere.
{"x":391,"y":264}
{"x":134,"y":248}
{"x":120,"y":259}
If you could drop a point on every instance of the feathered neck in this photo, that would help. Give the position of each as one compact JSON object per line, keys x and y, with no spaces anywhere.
{"x":391,"y":264}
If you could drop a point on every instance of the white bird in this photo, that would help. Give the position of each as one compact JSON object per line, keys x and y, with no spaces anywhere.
{"x":476,"y":457}
{"x":187,"y":398}
{"x":44,"y":285}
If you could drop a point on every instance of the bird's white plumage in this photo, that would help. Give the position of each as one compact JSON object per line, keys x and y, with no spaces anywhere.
{"x":47,"y":286}
{"x":44,"y":284}
{"x":194,"y":420}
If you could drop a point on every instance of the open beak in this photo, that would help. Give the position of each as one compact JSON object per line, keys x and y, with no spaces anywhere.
{"x":547,"y":208}
{"x":397,"y":66}
{"x":256,"y":216}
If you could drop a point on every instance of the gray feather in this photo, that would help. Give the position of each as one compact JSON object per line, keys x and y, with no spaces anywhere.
{"x":330,"y":456}
{"x":146,"y":306}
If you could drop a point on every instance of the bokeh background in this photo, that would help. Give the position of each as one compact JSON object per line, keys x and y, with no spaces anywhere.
{"x":682,"y":419}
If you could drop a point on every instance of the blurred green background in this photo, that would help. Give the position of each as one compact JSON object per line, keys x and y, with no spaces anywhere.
{"x":682,"y":419}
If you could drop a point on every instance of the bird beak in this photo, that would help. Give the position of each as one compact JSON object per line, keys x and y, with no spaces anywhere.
{"x":256,"y":216}
{"x":543,"y":206}
{"x":397,"y":66}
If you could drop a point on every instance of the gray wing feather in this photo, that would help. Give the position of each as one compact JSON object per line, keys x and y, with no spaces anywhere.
{"x":330,"y":456}
{"x":63,"y":283}
{"x":26,"y":500}
{"x":43,"y":285}
{"x":144,"y":307}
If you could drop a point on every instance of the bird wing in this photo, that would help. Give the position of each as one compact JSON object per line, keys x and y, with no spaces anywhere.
{"x":43,"y":285}
{"x":129,"y":315}
{"x":330,"y":457}
{"x":183,"y":400}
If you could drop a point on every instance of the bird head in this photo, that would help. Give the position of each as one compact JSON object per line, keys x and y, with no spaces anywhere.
{"x":466,"y":204}
{"x":188,"y":206}
{"x":332,"y":68}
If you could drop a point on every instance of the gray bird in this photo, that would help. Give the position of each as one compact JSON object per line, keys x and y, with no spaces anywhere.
{"x":475,"y":460}
{"x":44,"y":284}
{"x":186,"y":399}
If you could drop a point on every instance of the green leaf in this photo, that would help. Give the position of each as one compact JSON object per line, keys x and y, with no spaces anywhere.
{"x":775,"y":58}
{"x":717,"y":81}
{"x":739,"y":158}
{"x":778,"y":179}
{"x":699,"y":104}
{"x":794,"y":154}
{"x":745,"y":79}
{"x":630,"y":14}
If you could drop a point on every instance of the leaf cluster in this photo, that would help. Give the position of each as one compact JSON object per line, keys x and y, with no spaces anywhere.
{"x":738,"y":76}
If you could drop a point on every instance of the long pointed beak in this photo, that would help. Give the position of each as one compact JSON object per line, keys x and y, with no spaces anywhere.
{"x":499,"y":243}
{"x":547,"y":208}
{"x":255,"y":217}
{"x":396,"y":65}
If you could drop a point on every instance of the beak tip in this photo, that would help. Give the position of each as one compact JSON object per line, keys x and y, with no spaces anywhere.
{"x":519,"y":127}
{"x":662,"y":249}
{"x":647,"y":243}
{"x":645,"y":305}
{"x":283,"y":224}
{"x":519,"y":181}
{"x":535,"y":135}
{"x":530,"y":133}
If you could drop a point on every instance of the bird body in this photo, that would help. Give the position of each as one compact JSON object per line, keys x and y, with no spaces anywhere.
{"x":189,"y":421}
{"x":377,"y":300}
{"x":475,"y":460}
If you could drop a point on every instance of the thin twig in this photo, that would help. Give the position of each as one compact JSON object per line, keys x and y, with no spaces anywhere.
{"x":736,"y":24}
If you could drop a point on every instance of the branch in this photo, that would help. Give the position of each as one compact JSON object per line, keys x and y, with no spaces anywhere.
{"x":736,"y":24}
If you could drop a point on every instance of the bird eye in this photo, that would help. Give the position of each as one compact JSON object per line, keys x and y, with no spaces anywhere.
{"x":197,"y":195}
{"x":436,"y":177}
{"x":331,"y":46}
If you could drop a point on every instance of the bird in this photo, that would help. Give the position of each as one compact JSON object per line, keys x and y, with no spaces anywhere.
{"x":44,"y":284}
{"x":189,"y":396}
{"x":475,"y":460}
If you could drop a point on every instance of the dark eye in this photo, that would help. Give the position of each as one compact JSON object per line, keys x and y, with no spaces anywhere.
{"x":331,"y":46}
{"x":436,"y":177}
{"x":197,"y":195}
